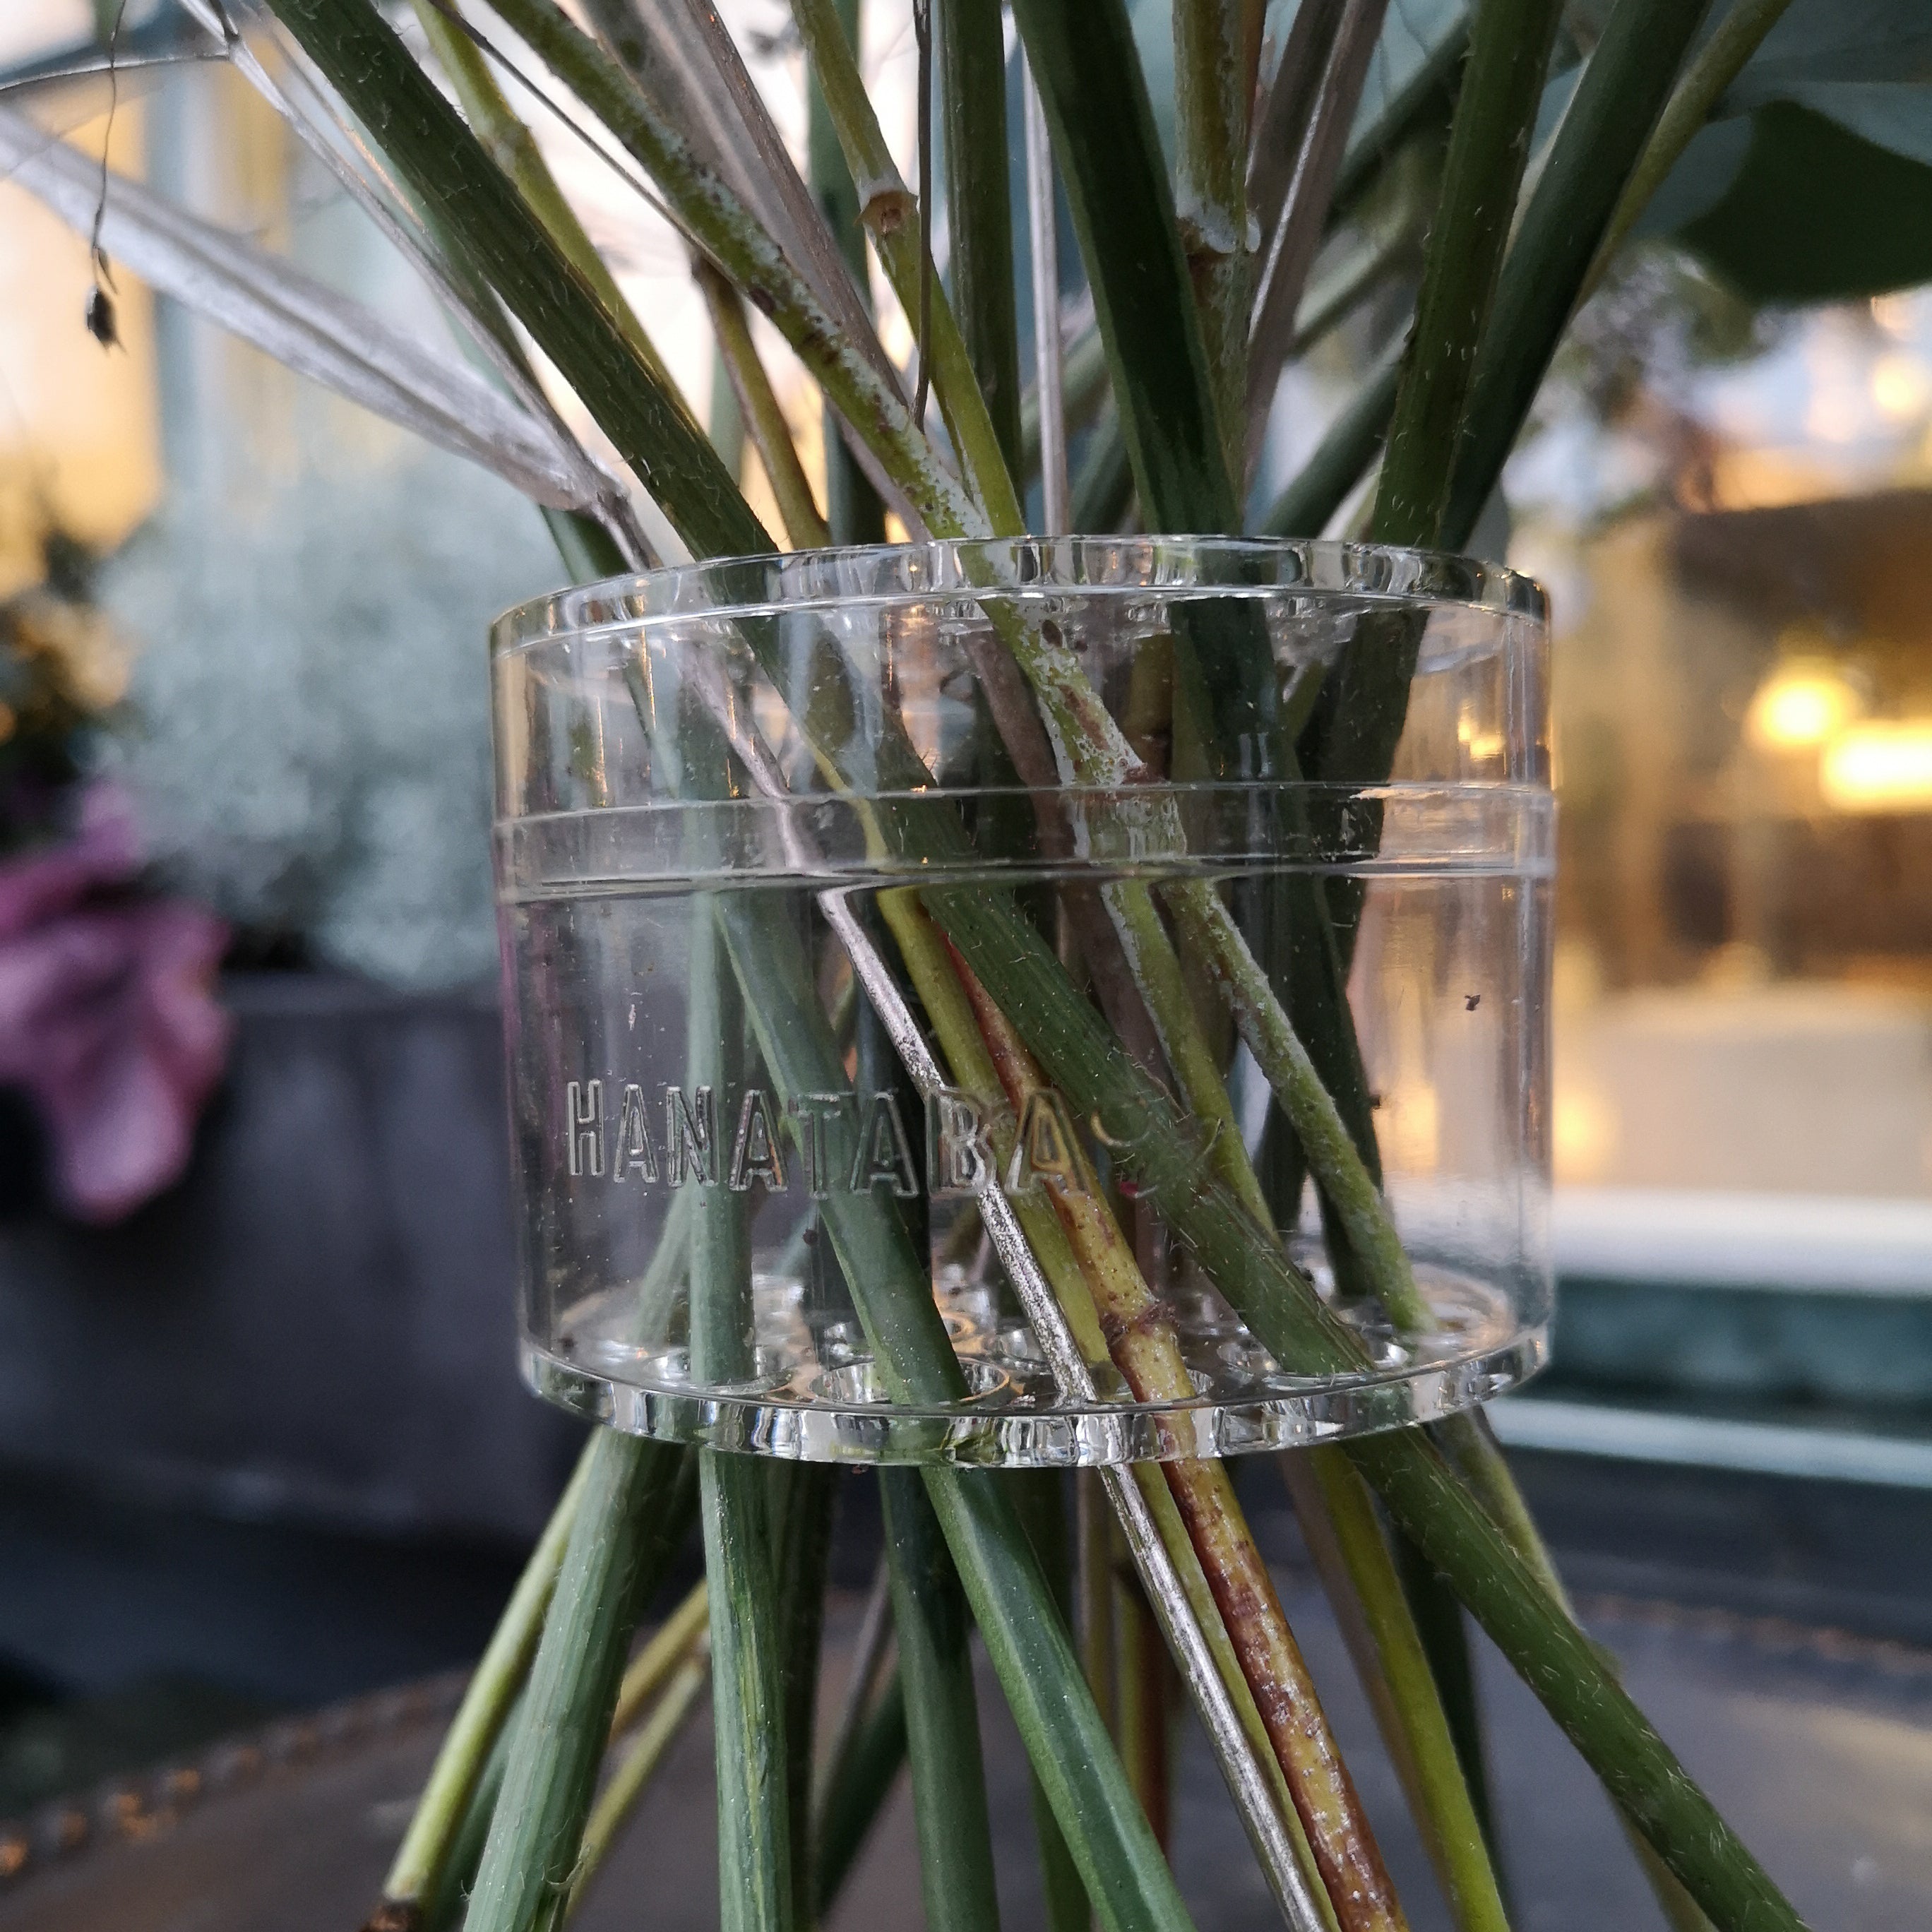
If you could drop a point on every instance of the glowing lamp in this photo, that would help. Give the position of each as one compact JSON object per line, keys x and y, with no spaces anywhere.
{"x":1879,"y":767}
{"x":1802,"y":704}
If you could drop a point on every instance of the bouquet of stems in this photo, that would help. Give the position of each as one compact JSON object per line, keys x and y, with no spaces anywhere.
{"x":1201,"y":280}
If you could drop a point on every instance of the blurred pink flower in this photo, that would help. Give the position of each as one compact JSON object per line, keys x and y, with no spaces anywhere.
{"x":107,"y":1012}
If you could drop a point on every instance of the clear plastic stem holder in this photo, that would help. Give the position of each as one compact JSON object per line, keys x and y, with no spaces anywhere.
{"x":1000,"y":1003}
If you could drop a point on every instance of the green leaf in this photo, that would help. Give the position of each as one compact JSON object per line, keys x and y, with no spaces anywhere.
{"x":1119,"y":1861}
{"x":1894,"y":115}
{"x":748,"y":1699}
{"x":1836,"y":40}
{"x":1815,"y":213}
{"x":1414,"y":74}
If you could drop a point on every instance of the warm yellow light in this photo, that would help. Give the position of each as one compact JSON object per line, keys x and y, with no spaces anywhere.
{"x":1802,"y":704}
{"x":1410,"y":1125}
{"x":1900,"y":386}
{"x":1483,"y":746}
{"x":1584,"y":1138}
{"x":1879,"y":767}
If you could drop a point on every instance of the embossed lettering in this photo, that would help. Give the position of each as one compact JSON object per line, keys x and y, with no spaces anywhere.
{"x":959,"y":1151}
{"x":813,"y":1110}
{"x":635,"y":1148}
{"x":691,"y":1141}
{"x":884,"y":1153}
{"x":1045,"y":1149}
{"x":583,"y":1107}
{"x":754,"y":1154}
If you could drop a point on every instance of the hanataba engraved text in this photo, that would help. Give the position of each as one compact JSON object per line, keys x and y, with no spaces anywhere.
{"x":665,"y":1136}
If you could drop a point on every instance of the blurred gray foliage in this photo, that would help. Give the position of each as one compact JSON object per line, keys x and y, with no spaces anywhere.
{"x":308,"y":739}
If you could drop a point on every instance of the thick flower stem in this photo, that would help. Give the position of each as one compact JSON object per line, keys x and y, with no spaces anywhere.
{"x":636,"y":1505}
{"x":972,"y":111}
{"x":674,"y":1640}
{"x":492,"y":1689}
{"x":1212,"y":89}
{"x":1141,"y":1339}
{"x":1338,"y":1519}
{"x":949,"y":1786}
{"x":857,"y":1783}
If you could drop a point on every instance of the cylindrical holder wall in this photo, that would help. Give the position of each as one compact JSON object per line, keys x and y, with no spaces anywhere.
{"x":975,"y":1001}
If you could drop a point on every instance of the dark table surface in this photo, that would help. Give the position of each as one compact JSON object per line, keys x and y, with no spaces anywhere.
{"x":1818,"y":1746}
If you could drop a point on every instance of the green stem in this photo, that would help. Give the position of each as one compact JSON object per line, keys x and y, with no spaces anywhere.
{"x":492,"y":1689}
{"x":1085,"y":388}
{"x":978,"y":208}
{"x":758,"y":409}
{"x":1119,"y":1859}
{"x":756,"y":1889}
{"x":803,"y":1497}
{"x":1403,"y":1686}
{"x":755,"y":1875}
{"x":1430,"y":91}
{"x":1471,"y":1445}
{"x":1105,"y":484}
{"x":1144,"y":1722}
{"x":856,"y":1785}
{"x":1321,"y":485}
{"x":1562,"y":1666}
{"x":443,"y":1905}
{"x":1041,"y":1496}
{"x":1346,"y":1184}
{"x":1489,"y":144}
{"x":1595,"y":153}
{"x":891,"y":217}
{"x":635,"y":1507}
{"x":1097,"y":106}
{"x":1737,"y":36}
{"x":1093,"y":1590}
{"x":949,"y":1786}
{"x":634,"y":1770}
{"x":852,"y":506}
{"x":513,"y":148}
{"x":1211,"y":94}
{"x":652,"y":1669}
{"x":1444,"y":1630}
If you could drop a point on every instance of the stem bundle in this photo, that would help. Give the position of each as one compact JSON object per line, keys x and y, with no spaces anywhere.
{"x":1173,"y":300}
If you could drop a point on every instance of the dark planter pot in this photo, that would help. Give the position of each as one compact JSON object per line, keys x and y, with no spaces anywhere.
{"x":314,"y":1333}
